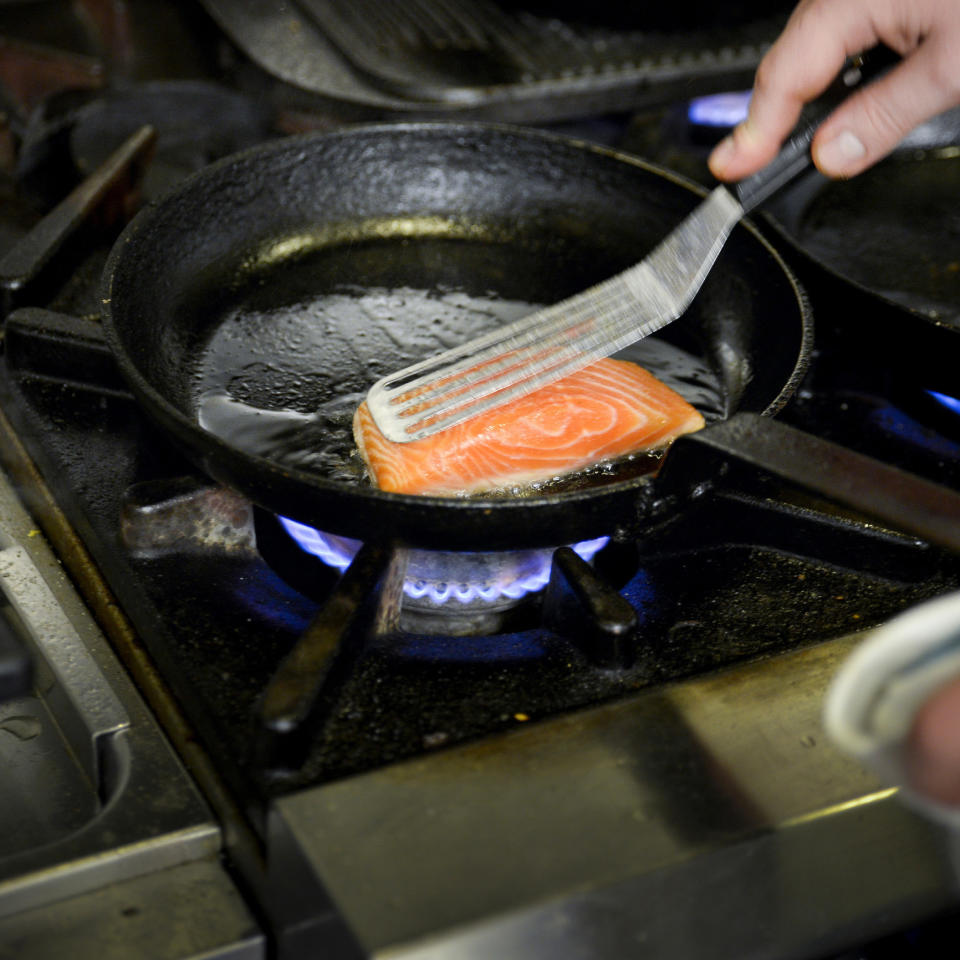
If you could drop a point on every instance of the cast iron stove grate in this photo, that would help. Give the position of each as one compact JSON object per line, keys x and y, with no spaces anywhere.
{"x":734,"y":578}
{"x":737,"y":579}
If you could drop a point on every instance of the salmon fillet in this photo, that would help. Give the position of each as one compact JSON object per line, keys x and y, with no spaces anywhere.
{"x":603,"y":411}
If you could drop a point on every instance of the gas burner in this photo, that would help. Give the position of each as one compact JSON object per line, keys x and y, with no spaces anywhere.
{"x":719,"y":110}
{"x":452,"y":593}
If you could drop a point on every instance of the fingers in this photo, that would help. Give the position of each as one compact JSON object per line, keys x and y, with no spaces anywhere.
{"x":934,"y":747}
{"x":748,"y":148}
{"x":810,"y":53}
{"x":802,"y":63}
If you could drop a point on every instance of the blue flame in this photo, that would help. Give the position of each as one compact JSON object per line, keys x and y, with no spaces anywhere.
{"x":312,"y":541}
{"x":339,"y":553}
{"x":951,"y":403}
{"x":895,"y":422}
{"x":720,"y":109}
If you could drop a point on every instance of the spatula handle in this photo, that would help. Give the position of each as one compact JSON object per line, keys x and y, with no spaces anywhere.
{"x":794,"y":157}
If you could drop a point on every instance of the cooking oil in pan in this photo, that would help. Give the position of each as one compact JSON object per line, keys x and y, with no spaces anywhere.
{"x":283,"y":383}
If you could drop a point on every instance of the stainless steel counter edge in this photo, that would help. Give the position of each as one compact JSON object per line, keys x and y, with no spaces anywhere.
{"x":706,"y":819}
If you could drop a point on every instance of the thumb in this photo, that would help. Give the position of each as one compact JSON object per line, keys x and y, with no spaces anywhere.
{"x":874,"y":120}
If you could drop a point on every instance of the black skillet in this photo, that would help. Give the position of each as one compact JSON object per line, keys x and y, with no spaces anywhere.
{"x":241,"y":252}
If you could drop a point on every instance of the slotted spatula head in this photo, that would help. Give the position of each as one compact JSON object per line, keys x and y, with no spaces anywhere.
{"x":551,"y":343}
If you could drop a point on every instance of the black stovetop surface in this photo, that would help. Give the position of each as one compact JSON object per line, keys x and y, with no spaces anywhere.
{"x":742,"y":574}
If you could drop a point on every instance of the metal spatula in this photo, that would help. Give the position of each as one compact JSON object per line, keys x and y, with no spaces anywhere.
{"x":544,"y":346}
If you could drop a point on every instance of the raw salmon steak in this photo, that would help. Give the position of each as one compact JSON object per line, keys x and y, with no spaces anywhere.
{"x":606,"y":410}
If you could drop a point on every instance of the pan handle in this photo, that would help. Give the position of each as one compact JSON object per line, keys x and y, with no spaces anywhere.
{"x":894,"y":497}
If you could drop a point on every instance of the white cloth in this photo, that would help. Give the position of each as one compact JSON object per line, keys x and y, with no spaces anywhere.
{"x":872,"y":701}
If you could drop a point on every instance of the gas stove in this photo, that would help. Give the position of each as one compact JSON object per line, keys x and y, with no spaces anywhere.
{"x":588,"y":750}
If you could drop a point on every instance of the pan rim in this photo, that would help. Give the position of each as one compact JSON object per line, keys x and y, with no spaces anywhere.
{"x":480,"y":504}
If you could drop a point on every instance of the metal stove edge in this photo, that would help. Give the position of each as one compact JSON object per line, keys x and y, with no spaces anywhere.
{"x":143,"y":826}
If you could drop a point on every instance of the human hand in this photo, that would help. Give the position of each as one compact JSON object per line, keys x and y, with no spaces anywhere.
{"x":894,"y":705}
{"x":807,"y":57}
{"x":933,"y":747}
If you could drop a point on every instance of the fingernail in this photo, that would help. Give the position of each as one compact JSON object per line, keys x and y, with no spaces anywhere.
{"x":722,"y":154}
{"x":839,"y":155}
